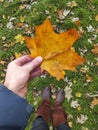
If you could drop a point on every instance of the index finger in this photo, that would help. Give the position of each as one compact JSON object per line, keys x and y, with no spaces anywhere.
{"x":23,"y":60}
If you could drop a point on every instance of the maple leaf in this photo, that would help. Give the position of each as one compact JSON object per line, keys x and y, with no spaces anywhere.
{"x":56,"y":49}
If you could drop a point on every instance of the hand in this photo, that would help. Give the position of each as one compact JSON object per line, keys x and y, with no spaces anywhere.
{"x":20,"y":71}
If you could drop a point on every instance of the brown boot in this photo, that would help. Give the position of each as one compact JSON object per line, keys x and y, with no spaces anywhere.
{"x":58,"y":114}
{"x":44,"y":109}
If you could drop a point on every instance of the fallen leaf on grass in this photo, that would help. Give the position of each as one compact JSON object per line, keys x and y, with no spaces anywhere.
{"x":79,"y":108}
{"x":95,"y":50}
{"x":96,"y":18}
{"x":19,"y":39}
{"x":75,"y":104}
{"x":56,"y":49}
{"x":88,"y":78}
{"x":70,"y":124}
{"x":68,"y":93}
{"x":22,"y":19}
{"x":1,"y":1}
{"x":78,"y":94}
{"x":19,"y":24}
{"x":81,"y":119}
{"x":2,"y":62}
{"x":62,"y":13}
{"x":72,"y":4}
{"x":84,"y":128}
{"x":94,"y":102}
{"x":17,"y":55}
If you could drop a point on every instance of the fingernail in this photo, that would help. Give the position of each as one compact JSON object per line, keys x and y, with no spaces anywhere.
{"x":40,"y":58}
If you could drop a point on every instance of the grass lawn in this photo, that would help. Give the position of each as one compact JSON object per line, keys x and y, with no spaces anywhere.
{"x":19,"y":17}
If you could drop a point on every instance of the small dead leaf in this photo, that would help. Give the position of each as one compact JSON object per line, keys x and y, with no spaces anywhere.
{"x":95,"y":101}
{"x":81,"y":119}
{"x":54,"y":97}
{"x":19,"y":24}
{"x":84,"y":128}
{"x":95,"y":50}
{"x":19,"y":39}
{"x":79,"y":108}
{"x":21,"y":7}
{"x":63,"y":13}
{"x":3,"y":38}
{"x":78,"y":94}
{"x":4,"y":16}
{"x":60,"y":14}
{"x":68,"y":93}
{"x":22,"y":19}
{"x":70,"y":124}
{"x":74,"y":104}
{"x":2,"y":62}
{"x":28,"y":29}
{"x":1,"y":1}
{"x":76,"y":21}
{"x":96,"y":18}
{"x":72,"y":4}
{"x":17,"y":55}
{"x":88,"y":78}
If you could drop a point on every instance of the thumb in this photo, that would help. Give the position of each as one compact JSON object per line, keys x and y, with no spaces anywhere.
{"x":33,"y":64}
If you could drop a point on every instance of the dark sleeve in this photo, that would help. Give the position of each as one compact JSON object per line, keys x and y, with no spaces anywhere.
{"x":14,"y":110}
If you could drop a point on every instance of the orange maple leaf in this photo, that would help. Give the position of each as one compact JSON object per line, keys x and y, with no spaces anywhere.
{"x":56,"y":49}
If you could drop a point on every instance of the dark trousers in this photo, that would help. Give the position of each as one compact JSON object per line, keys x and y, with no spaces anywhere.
{"x":40,"y":124}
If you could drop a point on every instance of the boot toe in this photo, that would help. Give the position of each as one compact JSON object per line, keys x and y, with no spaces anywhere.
{"x":60,"y":96}
{"x":46,"y":93}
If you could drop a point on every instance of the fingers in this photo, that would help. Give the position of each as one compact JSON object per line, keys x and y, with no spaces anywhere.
{"x":34,"y":74}
{"x":34,"y":64}
{"x":35,"y":69}
{"x":22,"y":60}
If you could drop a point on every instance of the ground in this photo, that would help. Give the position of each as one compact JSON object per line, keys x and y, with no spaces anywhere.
{"x":19,"y":17}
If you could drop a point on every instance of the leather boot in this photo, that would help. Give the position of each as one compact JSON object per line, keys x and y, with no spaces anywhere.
{"x":58,"y":114}
{"x":44,"y":109}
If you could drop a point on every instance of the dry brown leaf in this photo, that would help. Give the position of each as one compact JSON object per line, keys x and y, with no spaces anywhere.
{"x":95,"y":101}
{"x":60,"y":13}
{"x":2,"y":62}
{"x":95,"y":50}
{"x":56,"y":49}
{"x":19,"y":24}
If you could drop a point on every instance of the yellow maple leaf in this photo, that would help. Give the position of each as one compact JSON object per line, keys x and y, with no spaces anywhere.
{"x":17,"y":55}
{"x":56,"y":49}
{"x":78,"y":94}
{"x":19,"y":38}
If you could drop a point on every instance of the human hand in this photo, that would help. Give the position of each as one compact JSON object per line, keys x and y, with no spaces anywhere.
{"x":20,"y":71}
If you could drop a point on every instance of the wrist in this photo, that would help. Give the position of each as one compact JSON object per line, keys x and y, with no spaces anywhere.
{"x":10,"y":87}
{"x":19,"y":90}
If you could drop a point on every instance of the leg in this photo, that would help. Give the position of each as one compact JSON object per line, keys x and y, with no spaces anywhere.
{"x":59,"y":116}
{"x":40,"y":124}
{"x":43,"y":112}
{"x":63,"y":127}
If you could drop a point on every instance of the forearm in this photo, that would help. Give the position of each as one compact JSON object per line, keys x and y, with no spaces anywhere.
{"x":14,"y":110}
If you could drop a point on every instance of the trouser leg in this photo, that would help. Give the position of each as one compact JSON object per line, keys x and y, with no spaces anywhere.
{"x":63,"y":127}
{"x":40,"y":124}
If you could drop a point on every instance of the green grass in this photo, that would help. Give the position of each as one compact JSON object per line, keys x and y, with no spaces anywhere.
{"x":86,"y":10}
